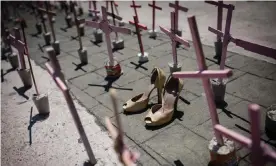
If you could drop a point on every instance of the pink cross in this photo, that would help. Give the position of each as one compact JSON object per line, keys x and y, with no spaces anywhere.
{"x":261,"y":153}
{"x":137,"y":26}
{"x":154,"y":7}
{"x":174,"y":38}
{"x":112,"y":4}
{"x":177,"y":7}
{"x":76,"y":22}
{"x":63,"y":87}
{"x":20,"y":46}
{"x":95,"y":11}
{"x":107,"y":29}
{"x":134,"y":6}
{"x":204,"y":74}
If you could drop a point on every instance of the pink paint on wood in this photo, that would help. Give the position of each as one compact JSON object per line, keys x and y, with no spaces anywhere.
{"x":204,"y":74}
{"x":20,"y":46}
{"x":107,"y":29}
{"x":134,"y":6}
{"x":261,"y":153}
{"x":174,"y":38}
{"x":206,"y":82}
{"x":219,"y":4}
{"x":177,"y":7}
{"x":154,"y":7}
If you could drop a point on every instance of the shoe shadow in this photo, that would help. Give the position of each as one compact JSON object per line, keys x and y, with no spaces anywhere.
{"x":33,"y":120}
{"x":21,"y":91}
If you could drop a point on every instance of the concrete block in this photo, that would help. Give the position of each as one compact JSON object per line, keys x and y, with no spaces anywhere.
{"x":38,"y":27}
{"x":83,"y":55}
{"x":13,"y":59}
{"x":26,"y":78}
{"x":118,"y":44}
{"x":81,"y":29}
{"x":47,"y":38}
{"x":56,"y":47}
{"x":174,"y":67}
{"x":153,"y":33}
{"x":42,"y":103}
{"x":98,"y":35}
{"x":143,"y":58}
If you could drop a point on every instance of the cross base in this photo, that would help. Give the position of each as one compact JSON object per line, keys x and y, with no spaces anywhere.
{"x":113,"y":71}
{"x":174,"y":67}
{"x":218,"y":88}
{"x":38,"y":27}
{"x":223,"y":155}
{"x":56,"y":47}
{"x":68,"y":20}
{"x":83,"y":56}
{"x":118,"y":44}
{"x":25,"y":75}
{"x":143,"y":58}
{"x":13,"y":59}
{"x":80,"y":11}
{"x":98,"y":34}
{"x":122,"y":23}
{"x":47,"y":38}
{"x":218,"y":49}
{"x":81,"y":29}
{"x":41,"y":102}
{"x":153,"y":33}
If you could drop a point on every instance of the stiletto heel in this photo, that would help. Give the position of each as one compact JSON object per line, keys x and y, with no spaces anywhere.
{"x":161,"y":114}
{"x":140,"y":101}
{"x":159,"y":95}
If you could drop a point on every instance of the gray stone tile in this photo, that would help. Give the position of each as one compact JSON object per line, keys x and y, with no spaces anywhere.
{"x":253,"y":88}
{"x":101,"y":112}
{"x":123,"y":54}
{"x":259,"y":68}
{"x":236,"y":73}
{"x":83,"y":81}
{"x":179,"y":144}
{"x":105,"y":100}
{"x":272,"y":76}
{"x":134,"y":45}
{"x":238,"y":61}
{"x":134,"y":127}
{"x":73,"y":45}
{"x":161,"y":50}
{"x":70,"y":69}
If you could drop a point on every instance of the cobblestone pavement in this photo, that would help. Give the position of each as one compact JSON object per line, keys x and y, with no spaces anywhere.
{"x":185,"y":139}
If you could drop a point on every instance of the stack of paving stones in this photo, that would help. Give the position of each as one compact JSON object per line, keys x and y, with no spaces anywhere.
{"x":185,"y":139}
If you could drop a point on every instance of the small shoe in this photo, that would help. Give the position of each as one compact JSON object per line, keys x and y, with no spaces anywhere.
{"x":140,"y":102}
{"x":161,"y":114}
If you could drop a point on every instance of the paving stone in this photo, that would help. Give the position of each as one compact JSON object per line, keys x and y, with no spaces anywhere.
{"x":180,"y":145}
{"x":123,"y":54}
{"x":239,"y":61}
{"x":272,"y":76}
{"x":236,"y":73}
{"x":134,"y":127}
{"x":133,"y":44}
{"x":73,"y":45}
{"x":96,"y":59}
{"x":89,"y":78}
{"x":259,"y":68}
{"x":161,"y":50}
{"x":105,"y":100}
{"x":254,"y":88}
{"x":101,"y":112}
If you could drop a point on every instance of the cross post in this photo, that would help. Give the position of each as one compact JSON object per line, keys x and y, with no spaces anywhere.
{"x":95,"y":11}
{"x":20,"y":46}
{"x":204,"y":76}
{"x":177,"y":7}
{"x":63,"y":87}
{"x":260,"y":152}
{"x":154,"y":7}
{"x":174,"y":38}
{"x":42,"y":19}
{"x":107,"y":29}
{"x":72,"y":5}
{"x":112,"y":4}
{"x":137,"y":27}
{"x":134,"y":6}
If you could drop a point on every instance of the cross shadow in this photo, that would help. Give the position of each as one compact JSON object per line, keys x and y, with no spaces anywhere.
{"x":110,"y":81}
{"x":221,"y":105}
{"x":87,"y":163}
{"x":65,"y":29}
{"x":74,"y":38}
{"x":231,"y":114}
{"x":139,"y":65}
{"x":21,"y":91}
{"x":177,"y":115}
{"x":41,"y":47}
{"x":44,"y":57}
{"x":184,"y":100}
{"x":96,"y":43}
{"x":178,"y":163}
{"x":155,"y":38}
{"x":8,"y":71}
{"x":33,"y":120}
{"x":35,"y":35}
{"x":79,"y":66}
{"x":117,"y":50}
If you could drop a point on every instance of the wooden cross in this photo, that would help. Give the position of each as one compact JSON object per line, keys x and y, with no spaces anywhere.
{"x":154,"y":7}
{"x":20,"y":46}
{"x":95,"y":11}
{"x":174,"y":38}
{"x":63,"y":87}
{"x":112,"y":4}
{"x":177,"y":7}
{"x":72,"y":5}
{"x":78,"y":22}
{"x":50,"y":14}
{"x":205,"y":75}
{"x":137,"y":26}
{"x":260,"y":152}
{"x":134,"y":6}
{"x":107,"y":29}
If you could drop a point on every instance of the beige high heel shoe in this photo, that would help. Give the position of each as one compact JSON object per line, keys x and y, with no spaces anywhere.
{"x":161,"y":114}
{"x":140,"y":102}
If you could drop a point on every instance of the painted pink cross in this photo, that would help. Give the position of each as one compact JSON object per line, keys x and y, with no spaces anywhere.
{"x":174,"y":38}
{"x":20,"y":46}
{"x":260,"y":152}
{"x":134,"y":6}
{"x":63,"y":87}
{"x":205,"y":75}
{"x":154,"y":7}
{"x":137,"y":26}
{"x":177,"y":7}
{"x":107,"y":29}
{"x":95,"y":11}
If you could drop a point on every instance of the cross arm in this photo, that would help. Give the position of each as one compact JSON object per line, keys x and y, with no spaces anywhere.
{"x":229,"y":6}
{"x":47,"y":12}
{"x":115,"y":16}
{"x":156,"y":7}
{"x":92,"y":24}
{"x":175,"y":37}
{"x":184,"y":9}
{"x":135,"y":6}
{"x":141,"y":26}
{"x":204,"y":74}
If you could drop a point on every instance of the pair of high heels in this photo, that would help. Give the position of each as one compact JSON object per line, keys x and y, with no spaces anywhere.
{"x":167,"y":93}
